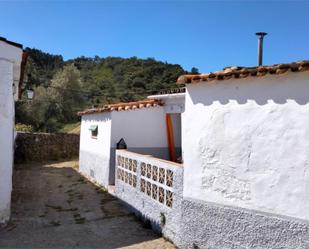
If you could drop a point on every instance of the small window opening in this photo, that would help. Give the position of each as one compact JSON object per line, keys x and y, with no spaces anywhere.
{"x":94,"y":131}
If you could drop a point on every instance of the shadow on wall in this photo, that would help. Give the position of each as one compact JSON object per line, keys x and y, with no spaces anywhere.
{"x":98,"y":117}
{"x":280,"y":89}
{"x":145,"y":220}
{"x":72,"y":207}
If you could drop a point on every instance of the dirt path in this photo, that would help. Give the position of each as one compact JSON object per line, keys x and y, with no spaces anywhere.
{"x":53,"y":206}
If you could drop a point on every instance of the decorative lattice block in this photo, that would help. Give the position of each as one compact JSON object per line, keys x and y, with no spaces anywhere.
{"x":148,"y":188}
{"x":161,"y":195}
{"x":122,"y":175}
{"x":130,"y":165}
{"x":169,"y":178}
{"x":143,"y":169}
{"x":130,"y":179}
{"x":126,"y":177}
{"x":134,"y":165}
{"x":148,"y":174}
{"x":169,"y":198}
{"x":154,"y":191}
{"x":162,"y":176}
{"x":155,"y":173}
{"x":143,"y":185}
{"x":134,"y":181}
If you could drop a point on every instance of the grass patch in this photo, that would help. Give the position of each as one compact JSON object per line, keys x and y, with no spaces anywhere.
{"x":70,"y":128}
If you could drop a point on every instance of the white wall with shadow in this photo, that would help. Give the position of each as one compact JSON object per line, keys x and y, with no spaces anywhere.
{"x":246,"y":143}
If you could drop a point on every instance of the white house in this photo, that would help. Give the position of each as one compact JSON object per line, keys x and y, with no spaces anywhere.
{"x":143,"y":127}
{"x":246,"y":161}
{"x":243,"y":180}
{"x":11,"y":61}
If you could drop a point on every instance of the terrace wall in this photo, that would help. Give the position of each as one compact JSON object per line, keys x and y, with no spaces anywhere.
{"x":38,"y":147}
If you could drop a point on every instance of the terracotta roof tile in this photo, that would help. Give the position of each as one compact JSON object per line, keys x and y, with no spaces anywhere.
{"x":244,"y":72}
{"x":123,"y":106}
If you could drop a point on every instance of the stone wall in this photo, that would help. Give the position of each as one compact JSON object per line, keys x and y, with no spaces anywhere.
{"x":38,"y":147}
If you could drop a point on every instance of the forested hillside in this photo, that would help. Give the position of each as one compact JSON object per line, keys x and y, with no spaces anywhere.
{"x":64,"y":87}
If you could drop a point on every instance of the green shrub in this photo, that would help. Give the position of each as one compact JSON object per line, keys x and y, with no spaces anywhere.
{"x":24,"y":128}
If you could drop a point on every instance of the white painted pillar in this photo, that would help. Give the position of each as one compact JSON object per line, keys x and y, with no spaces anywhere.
{"x":6,"y":137}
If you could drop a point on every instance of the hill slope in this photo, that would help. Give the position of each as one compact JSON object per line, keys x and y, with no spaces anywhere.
{"x":64,"y":87}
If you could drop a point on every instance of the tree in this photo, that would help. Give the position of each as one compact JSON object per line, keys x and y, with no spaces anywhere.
{"x":62,"y":88}
{"x":66,"y":89}
{"x":194,"y":70}
{"x":39,"y":111}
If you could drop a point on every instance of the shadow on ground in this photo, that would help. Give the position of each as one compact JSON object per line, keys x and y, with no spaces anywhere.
{"x":53,"y":206}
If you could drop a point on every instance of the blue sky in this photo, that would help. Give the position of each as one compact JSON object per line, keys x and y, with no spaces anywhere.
{"x":208,"y":35}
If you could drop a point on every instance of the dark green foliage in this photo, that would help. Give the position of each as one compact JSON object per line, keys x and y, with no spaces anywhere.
{"x":41,"y":66}
{"x":62,"y":88}
{"x":194,"y":70}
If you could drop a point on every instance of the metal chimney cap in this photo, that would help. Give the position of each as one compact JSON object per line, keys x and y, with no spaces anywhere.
{"x":261,"y":33}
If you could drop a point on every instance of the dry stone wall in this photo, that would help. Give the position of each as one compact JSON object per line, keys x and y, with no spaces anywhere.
{"x":38,"y":147}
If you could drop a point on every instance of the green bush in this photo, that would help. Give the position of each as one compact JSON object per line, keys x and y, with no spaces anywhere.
{"x":24,"y":128}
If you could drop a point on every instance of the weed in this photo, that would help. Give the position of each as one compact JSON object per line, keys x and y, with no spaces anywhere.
{"x":101,"y":190}
{"x":195,"y":246}
{"x":81,"y":179}
{"x":68,"y":210}
{"x":162,"y":219}
{"x":53,"y":207}
{"x":80,"y":220}
{"x":76,"y":215}
{"x":55,"y":223}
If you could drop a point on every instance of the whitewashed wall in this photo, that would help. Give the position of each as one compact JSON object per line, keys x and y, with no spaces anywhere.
{"x":140,"y":128}
{"x":246,"y":143}
{"x":144,"y":131}
{"x":95,"y":152}
{"x":6,"y":137}
{"x":10,"y":60}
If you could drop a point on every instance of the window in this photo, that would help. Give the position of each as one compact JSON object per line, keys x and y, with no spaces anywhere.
{"x":94,"y":131}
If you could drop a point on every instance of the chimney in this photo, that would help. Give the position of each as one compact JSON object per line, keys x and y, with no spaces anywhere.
{"x":260,"y":47}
